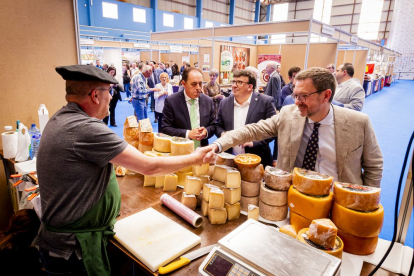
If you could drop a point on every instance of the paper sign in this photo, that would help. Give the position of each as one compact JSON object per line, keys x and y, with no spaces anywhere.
{"x":328,"y":30}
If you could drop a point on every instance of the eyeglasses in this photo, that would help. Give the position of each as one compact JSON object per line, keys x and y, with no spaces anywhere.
{"x":238,"y":83}
{"x":303,"y":97}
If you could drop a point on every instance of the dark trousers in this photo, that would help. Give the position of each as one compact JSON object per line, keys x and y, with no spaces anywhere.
{"x":152,"y":101}
{"x":60,"y":266}
{"x":159,"y":116}
{"x":112,"y":106}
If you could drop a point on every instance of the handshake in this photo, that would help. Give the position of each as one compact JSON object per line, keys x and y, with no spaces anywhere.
{"x":206,"y":155}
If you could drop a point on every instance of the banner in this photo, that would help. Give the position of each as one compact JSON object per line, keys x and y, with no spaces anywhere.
{"x":232,"y":58}
{"x":263,"y":61}
{"x":131,"y":56}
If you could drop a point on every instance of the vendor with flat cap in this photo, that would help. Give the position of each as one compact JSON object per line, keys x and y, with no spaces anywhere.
{"x":80,"y":197}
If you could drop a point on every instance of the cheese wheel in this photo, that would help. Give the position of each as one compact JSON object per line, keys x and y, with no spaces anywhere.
{"x":357,"y":223}
{"x":357,"y":197}
{"x":250,"y":188}
{"x":358,"y":245}
{"x":162,"y":142}
{"x":252,"y":174}
{"x":310,"y":207}
{"x":277,"y":179}
{"x":246,"y":200}
{"x":272,"y":197}
{"x":158,"y":153}
{"x":273,"y":213}
{"x":299,"y":221}
{"x":337,"y":251}
{"x":311,"y":183}
{"x":323,"y":232}
{"x":225,"y":158}
{"x":288,"y":230}
{"x":181,"y":146}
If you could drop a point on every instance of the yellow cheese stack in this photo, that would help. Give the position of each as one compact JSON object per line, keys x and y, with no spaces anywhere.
{"x":323,"y":232}
{"x":337,"y":250}
{"x":357,"y":197}
{"x":159,"y":181}
{"x":181,"y":146}
{"x":226,"y":159}
{"x":146,"y":136}
{"x":131,"y":131}
{"x":192,"y":189}
{"x":310,"y":207}
{"x":299,"y":221}
{"x":311,"y":183}
{"x":217,"y":214}
{"x":277,"y":179}
{"x":272,"y":204}
{"x":162,"y":142}
{"x":289,"y":230}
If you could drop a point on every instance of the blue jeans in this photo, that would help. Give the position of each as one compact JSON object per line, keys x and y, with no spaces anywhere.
{"x":140,"y":108}
{"x":60,"y":266}
{"x":126,"y":89}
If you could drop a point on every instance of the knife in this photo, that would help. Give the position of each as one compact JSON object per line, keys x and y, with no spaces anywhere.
{"x":185,"y":259}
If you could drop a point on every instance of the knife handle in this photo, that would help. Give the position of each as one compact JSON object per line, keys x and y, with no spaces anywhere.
{"x":173,"y":266}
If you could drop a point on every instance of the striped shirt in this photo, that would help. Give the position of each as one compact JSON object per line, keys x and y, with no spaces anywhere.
{"x":139,"y":87}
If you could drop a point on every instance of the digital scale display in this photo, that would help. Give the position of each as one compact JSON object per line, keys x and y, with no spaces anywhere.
{"x":221,"y":265}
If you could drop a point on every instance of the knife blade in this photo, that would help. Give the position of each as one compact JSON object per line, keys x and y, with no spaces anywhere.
{"x":185,"y":259}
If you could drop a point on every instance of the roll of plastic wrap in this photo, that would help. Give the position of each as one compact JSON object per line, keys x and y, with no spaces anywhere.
{"x":183,"y":211}
{"x":9,"y":140}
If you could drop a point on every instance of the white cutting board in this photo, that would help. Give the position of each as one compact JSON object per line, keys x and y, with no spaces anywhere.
{"x":153,"y":238}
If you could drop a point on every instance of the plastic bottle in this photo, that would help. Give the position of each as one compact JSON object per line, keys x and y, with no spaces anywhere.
{"x":35,"y":140}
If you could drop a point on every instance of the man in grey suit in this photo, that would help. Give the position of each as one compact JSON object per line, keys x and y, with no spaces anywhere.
{"x":349,"y":92}
{"x":343,"y":141}
{"x":274,"y":86}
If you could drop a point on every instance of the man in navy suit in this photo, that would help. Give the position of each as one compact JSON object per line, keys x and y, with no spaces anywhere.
{"x":243,"y":107}
{"x":189,"y":113}
{"x":152,"y":81}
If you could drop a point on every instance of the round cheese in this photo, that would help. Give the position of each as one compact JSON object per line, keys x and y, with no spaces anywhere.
{"x":247,"y":160}
{"x":273,"y":213}
{"x":310,"y":207}
{"x":158,"y":153}
{"x":250,"y":188}
{"x":357,"y":197}
{"x":357,"y":223}
{"x":252,"y":174}
{"x":311,"y":183}
{"x":246,"y":200}
{"x":181,"y":146}
{"x":299,"y":221}
{"x":277,"y":179}
{"x":289,"y":230}
{"x":227,"y":159}
{"x":337,"y":251}
{"x":272,"y":197}
{"x":358,"y":245}
{"x":162,"y":142}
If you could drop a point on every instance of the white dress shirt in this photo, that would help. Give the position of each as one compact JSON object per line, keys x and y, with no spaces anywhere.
{"x":326,"y":156}
{"x":187,"y":101}
{"x":240,"y":115}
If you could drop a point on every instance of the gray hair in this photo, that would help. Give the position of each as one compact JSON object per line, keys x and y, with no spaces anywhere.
{"x":146,"y":68}
{"x":253,"y":70}
{"x":213,"y":72}
{"x":273,"y":64}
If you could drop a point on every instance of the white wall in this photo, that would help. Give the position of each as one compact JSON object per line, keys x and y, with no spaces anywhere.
{"x":114,"y":56}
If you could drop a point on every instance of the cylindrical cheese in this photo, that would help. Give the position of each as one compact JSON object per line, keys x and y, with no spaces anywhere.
{"x":246,"y":200}
{"x":250,"y":188}
{"x":311,"y":183}
{"x":225,"y":158}
{"x":272,"y":197}
{"x":181,"y":146}
{"x":299,"y":221}
{"x":310,"y":207}
{"x":273,"y":213}
{"x":337,"y":251}
{"x":323,"y":232}
{"x":357,"y":197}
{"x":358,"y":245}
{"x":162,"y":142}
{"x":360,"y":224}
{"x":252,"y":174}
{"x":277,"y":179}
{"x":158,"y":153}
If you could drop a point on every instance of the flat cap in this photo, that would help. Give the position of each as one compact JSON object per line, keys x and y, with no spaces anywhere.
{"x":85,"y":73}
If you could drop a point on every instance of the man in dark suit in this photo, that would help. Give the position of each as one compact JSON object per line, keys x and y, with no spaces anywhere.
{"x":245,"y":107}
{"x":189,"y":113}
{"x":274,"y":86}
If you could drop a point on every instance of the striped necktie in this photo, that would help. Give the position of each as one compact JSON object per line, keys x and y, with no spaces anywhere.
{"x":193,"y":120}
{"x":309,"y":160}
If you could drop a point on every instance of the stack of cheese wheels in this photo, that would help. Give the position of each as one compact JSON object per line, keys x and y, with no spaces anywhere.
{"x":182,"y":146}
{"x":309,"y":197}
{"x":162,"y":143}
{"x":322,"y":234}
{"x":359,"y":216}
{"x":273,"y":194}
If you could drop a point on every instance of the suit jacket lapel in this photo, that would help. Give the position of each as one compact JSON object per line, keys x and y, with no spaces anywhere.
{"x":202,"y":109}
{"x":296,"y":134}
{"x":342,"y":138}
{"x":229,"y":110}
{"x":252,"y":106}
{"x":184,"y":110}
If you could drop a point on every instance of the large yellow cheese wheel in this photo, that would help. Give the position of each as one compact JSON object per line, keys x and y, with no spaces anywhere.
{"x":311,"y":183}
{"x":358,"y":245}
{"x":181,"y":146}
{"x":225,"y":158}
{"x":337,"y":251}
{"x":323,"y":232}
{"x":311,"y":207}
{"x":272,"y":197}
{"x":250,"y":188}
{"x":299,"y":221}
{"x":273,"y":213}
{"x":357,"y":223}
{"x":252,"y":174}
{"x":357,"y":197}
{"x":277,"y":179}
{"x":162,"y":142}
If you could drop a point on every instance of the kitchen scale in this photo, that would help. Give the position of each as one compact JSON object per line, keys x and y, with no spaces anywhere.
{"x":256,"y":249}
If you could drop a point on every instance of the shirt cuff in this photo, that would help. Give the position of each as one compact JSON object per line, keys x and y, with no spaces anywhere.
{"x":186,"y":134}
{"x":220,"y":148}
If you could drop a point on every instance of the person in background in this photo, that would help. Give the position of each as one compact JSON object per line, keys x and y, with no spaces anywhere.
{"x":282,"y":81}
{"x":185,"y":66}
{"x":157,"y":72}
{"x":98,"y":64}
{"x":349,"y":92}
{"x":243,"y":107}
{"x":273,"y":87}
{"x":17,"y":255}
{"x":175,"y":71}
{"x":152,"y":81}
{"x":256,"y":74}
{"x":331,"y":68}
{"x":105,"y":67}
{"x":127,"y":80}
{"x":196,"y":64}
{"x":115,"y":91}
{"x":165,"y":90}
{"x":212,"y":89}
{"x":288,"y":89}
{"x":140,"y":92}
{"x":133,"y":68}
{"x":168,"y":69}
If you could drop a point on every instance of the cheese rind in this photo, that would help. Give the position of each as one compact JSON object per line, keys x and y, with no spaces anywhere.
{"x":357,"y":197}
{"x":204,"y":207}
{"x":252,"y":174}
{"x":323,"y":232}
{"x":182,"y":177}
{"x":227,"y":159}
{"x":206,"y":190}
{"x":146,"y":139}
{"x":216,"y":199}
{"x":217,"y":183}
{"x":246,"y":200}
{"x":232,"y":179}
{"x":311,"y":183}
{"x":217,"y":216}
{"x":201,"y":169}
{"x":149,"y":181}
{"x":299,"y":221}
{"x":272,"y":197}
{"x":273,"y":213}
{"x":189,"y":200}
{"x":311,"y":207}
{"x":303,"y":236}
{"x":159,"y":181}
{"x":250,"y":188}
{"x":252,"y":212}
{"x":204,"y":178}
{"x":170,"y":183}
{"x":233,"y":210}
{"x":360,"y":224}
{"x":162,"y":142}
{"x":289,"y":230}
{"x":181,"y":146}
{"x":277,"y":179}
{"x":231,"y":195}
{"x":144,"y":125}
{"x":192,"y":185}
{"x":358,"y":245}
{"x":199,"y":198}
